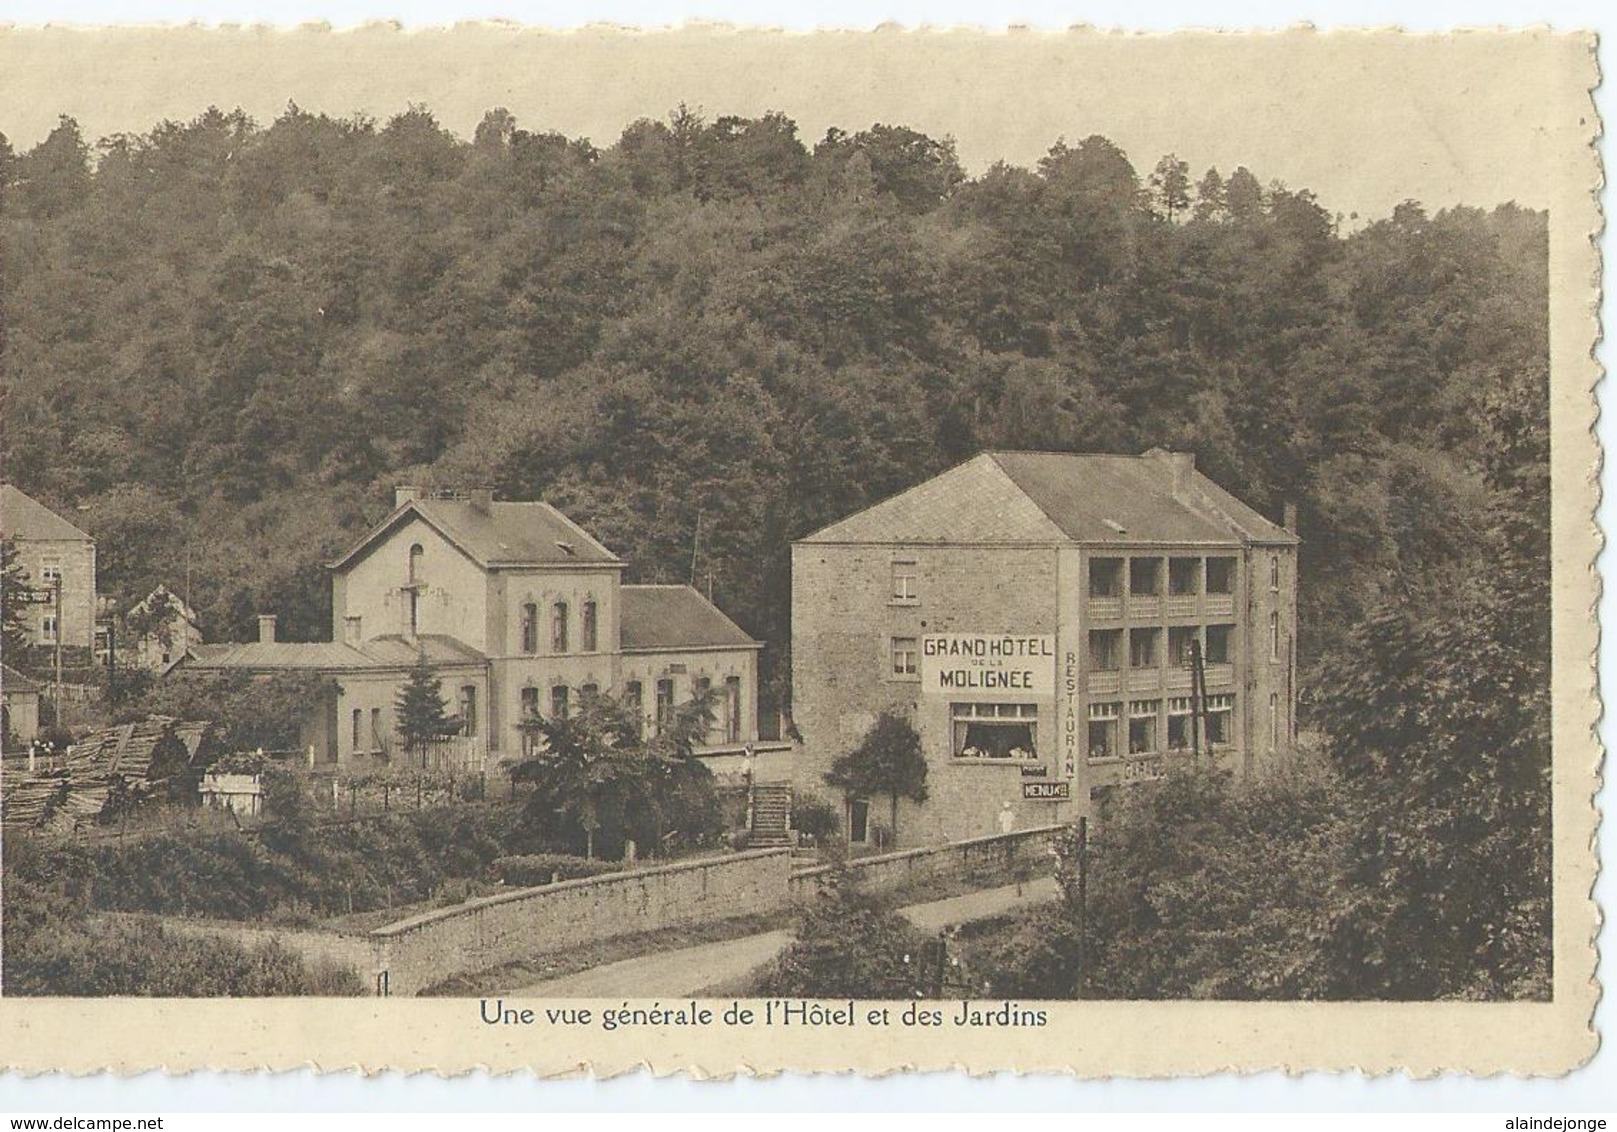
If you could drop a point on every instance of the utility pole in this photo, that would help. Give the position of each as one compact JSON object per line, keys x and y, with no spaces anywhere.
{"x":696,"y":545}
{"x":1195,"y":702}
{"x":1083,"y":908}
{"x":56,"y":584}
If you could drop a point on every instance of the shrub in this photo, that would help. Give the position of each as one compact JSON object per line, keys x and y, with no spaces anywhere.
{"x":816,"y":818}
{"x":547,"y":868}
{"x":848,"y":945}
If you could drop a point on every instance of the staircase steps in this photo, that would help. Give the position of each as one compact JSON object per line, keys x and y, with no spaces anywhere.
{"x":771,"y":815}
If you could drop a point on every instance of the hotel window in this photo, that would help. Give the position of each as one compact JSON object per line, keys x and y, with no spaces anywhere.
{"x":530,"y":627}
{"x":665,"y":703}
{"x":905,"y":652}
{"x":1221,"y":575}
{"x":1219,"y":710}
{"x":587,"y":694}
{"x":1145,"y":576}
{"x":1219,"y":641}
{"x":1143,"y":647}
{"x":1180,"y":723}
{"x":1180,"y":638}
{"x":1274,"y":636}
{"x":1105,"y":577}
{"x":701,"y":691}
{"x":994,"y":731}
{"x":634,"y":699}
{"x":1274,"y":572}
{"x":356,"y":730}
{"x":1143,"y":726}
{"x":558,"y":627}
{"x":558,"y":702}
{"x":47,"y":629}
{"x":1274,"y":722}
{"x":1184,"y":574}
{"x":1105,"y":649}
{"x":530,"y":702}
{"x":376,"y":728}
{"x":414,"y":586}
{"x":588,"y":633}
{"x":732,"y":709}
{"x":1103,"y":730}
{"x":528,"y":724}
{"x":904,"y":581}
{"x":50,"y":574}
{"x":468,"y":709}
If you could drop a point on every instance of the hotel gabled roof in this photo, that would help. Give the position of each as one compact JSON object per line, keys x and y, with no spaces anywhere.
{"x":1057,"y":497}
{"x":496,"y":534}
{"x":24,"y":517}
{"x":670,"y":618}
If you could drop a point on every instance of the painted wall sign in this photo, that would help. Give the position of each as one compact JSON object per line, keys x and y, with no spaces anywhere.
{"x":1047,"y":791}
{"x":1067,"y":714}
{"x":983,"y":666}
{"x":1038,"y":770}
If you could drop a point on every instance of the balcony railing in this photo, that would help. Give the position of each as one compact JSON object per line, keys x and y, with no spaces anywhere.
{"x":1182,"y":605}
{"x":1105,"y":608}
{"x":1218,"y":605}
{"x":1105,"y":683}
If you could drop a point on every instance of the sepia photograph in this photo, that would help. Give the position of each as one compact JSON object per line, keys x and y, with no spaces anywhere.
{"x":735,"y":540}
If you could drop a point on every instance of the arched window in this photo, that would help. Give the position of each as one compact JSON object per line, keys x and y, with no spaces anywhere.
{"x":588,"y":634}
{"x":414,"y":586}
{"x":558,"y":627}
{"x":530,"y":627}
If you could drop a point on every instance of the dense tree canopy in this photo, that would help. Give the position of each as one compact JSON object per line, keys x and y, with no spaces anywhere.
{"x":226,"y":341}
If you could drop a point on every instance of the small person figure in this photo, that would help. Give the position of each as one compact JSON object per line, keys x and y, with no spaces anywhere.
{"x":1007,"y":818}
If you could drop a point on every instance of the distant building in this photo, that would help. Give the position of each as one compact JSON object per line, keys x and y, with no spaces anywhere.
{"x":159,"y":631}
{"x":19,"y":703}
{"x":51,"y":548}
{"x":1034,"y":615}
{"x":522,"y":613}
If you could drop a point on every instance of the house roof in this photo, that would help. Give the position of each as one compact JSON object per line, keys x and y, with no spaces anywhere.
{"x":1046,"y":497}
{"x":179,"y":605}
{"x":329,"y":656}
{"x":12,"y":681}
{"x":23,"y":517}
{"x":675,"y":617}
{"x":496,"y":534}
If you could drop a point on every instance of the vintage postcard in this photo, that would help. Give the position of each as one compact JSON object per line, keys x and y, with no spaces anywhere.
{"x":728,"y":552}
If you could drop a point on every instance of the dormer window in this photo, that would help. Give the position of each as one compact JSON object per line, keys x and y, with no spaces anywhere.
{"x":417,"y":553}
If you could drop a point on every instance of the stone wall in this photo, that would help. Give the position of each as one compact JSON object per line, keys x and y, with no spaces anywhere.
{"x":416,"y":953}
{"x":987,"y":861}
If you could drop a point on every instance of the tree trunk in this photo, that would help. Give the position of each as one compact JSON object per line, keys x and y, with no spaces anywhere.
{"x":893,"y":826}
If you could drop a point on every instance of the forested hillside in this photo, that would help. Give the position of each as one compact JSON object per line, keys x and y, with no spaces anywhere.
{"x":226,"y":341}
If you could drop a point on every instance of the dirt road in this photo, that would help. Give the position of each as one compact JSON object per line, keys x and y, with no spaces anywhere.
{"x":691,"y":970}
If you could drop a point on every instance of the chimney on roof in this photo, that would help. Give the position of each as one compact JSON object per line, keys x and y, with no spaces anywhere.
{"x":266,"y":628}
{"x":1183,"y":465}
{"x":1289,"y":519}
{"x":481,"y":498}
{"x":405,"y":493}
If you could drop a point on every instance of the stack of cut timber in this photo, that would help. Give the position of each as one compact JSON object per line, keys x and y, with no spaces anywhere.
{"x":78,"y":790}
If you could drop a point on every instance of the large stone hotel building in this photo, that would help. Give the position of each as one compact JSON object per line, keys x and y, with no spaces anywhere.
{"x":1035,"y":616}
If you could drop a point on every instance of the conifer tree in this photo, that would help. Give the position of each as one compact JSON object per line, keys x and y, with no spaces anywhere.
{"x":420,"y":707}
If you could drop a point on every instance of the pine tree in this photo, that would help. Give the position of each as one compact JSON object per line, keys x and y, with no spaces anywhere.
{"x":14,"y":587}
{"x":420,"y":707}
